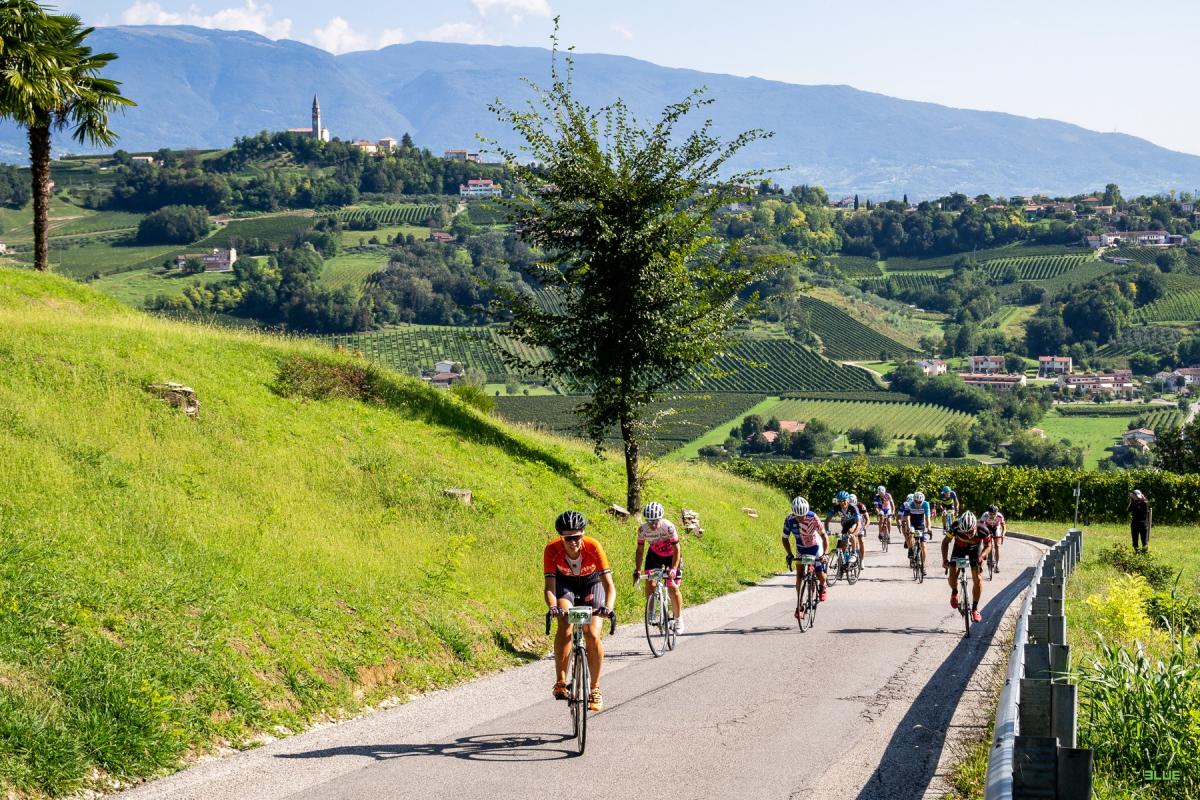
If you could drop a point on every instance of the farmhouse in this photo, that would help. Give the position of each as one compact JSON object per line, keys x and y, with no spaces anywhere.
{"x":1143,"y":436}
{"x":1053,"y":366}
{"x":1143,"y":238}
{"x":1184,"y":376}
{"x":791,"y":426}
{"x":443,"y":380}
{"x":151,"y":160}
{"x":441,"y":237}
{"x":986,"y":365}
{"x":3,"y":248}
{"x":1117,"y":382}
{"x":475,"y":188}
{"x":445,"y":366}
{"x":932,"y":366}
{"x":219,"y":260}
{"x":1001,"y":382}
{"x":461,"y":155}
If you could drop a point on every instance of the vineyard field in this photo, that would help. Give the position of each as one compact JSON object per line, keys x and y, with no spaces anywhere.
{"x":898,"y":420}
{"x":1163,"y":418}
{"x":413,"y":348}
{"x":771,"y":366}
{"x":1175,"y":307}
{"x":399,"y":214}
{"x":857,"y":266}
{"x":1141,"y":339}
{"x":351,"y":269}
{"x":281,"y":229}
{"x":1037,"y":268}
{"x":902,"y":281}
{"x":1148,"y":255}
{"x":845,"y":338}
{"x":904,"y":264}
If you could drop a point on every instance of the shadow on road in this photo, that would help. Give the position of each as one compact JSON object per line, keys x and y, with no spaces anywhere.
{"x":757,"y":629}
{"x":912,"y":755}
{"x":490,"y":747}
{"x":907,"y":630}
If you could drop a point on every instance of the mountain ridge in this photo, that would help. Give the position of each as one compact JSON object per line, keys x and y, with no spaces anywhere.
{"x":198,"y":87}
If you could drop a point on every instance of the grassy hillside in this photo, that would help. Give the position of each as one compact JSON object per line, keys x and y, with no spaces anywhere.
{"x":168,"y":584}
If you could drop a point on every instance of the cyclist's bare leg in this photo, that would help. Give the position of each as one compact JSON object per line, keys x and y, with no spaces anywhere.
{"x":595,"y":649}
{"x":862,"y":547}
{"x":562,"y":642}
{"x":996,"y":540}
{"x":976,"y":586}
{"x":952,"y":578}
{"x":924,"y":555}
{"x":676,"y":600}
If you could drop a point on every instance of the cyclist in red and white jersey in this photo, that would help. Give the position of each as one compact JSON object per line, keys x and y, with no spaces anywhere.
{"x":994,"y":520}
{"x":811,"y":540}
{"x":663,"y":538}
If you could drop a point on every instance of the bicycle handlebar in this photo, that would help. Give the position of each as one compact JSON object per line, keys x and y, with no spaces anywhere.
{"x":612,"y":620}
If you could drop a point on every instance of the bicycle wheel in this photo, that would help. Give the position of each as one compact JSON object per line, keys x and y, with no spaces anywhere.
{"x":853,"y":570}
{"x":801,"y":607}
{"x":580,"y":685}
{"x":833,"y":572}
{"x":655,"y":629}
{"x":965,"y":605}
{"x":991,"y":564}
{"x":669,"y":622}
{"x":812,"y":599}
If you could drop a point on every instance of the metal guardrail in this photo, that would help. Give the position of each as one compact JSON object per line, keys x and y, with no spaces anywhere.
{"x":1033,"y":753}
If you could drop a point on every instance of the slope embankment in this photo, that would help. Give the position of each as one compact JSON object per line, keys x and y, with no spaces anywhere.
{"x":172,"y":585}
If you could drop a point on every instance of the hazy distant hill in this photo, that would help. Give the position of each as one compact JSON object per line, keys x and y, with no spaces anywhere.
{"x":202,"y":88}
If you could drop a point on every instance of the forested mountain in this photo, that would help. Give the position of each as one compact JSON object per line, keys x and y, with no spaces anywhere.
{"x":202,"y":88}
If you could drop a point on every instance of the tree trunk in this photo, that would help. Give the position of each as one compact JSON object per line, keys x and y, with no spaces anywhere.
{"x":633,"y":483}
{"x":39,"y":169}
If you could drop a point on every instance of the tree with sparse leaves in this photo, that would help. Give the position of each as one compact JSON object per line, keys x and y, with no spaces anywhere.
{"x":622,"y":215}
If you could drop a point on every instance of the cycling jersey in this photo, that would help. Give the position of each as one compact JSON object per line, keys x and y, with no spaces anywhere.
{"x":847,"y":516}
{"x":970,"y":538}
{"x":806,"y":529}
{"x":950,"y":501}
{"x":918,"y":515}
{"x":587,"y":569}
{"x":992,"y":521}
{"x":884,"y":503}
{"x":663,"y":540}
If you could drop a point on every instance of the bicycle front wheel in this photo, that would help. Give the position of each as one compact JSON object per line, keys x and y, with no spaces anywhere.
{"x":853,"y":570}
{"x":991,"y":565}
{"x":669,"y":618}
{"x":833,"y":571}
{"x":656,"y":628}
{"x":965,"y":606}
{"x":580,"y":687}
{"x":812,"y":598}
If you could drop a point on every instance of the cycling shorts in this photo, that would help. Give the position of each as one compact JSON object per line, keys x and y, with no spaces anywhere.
{"x":966,"y":551}
{"x":815,"y":550}
{"x":884,"y":513}
{"x":654,"y":561}
{"x":922,"y":535}
{"x":580,"y":592}
{"x":996,"y":534}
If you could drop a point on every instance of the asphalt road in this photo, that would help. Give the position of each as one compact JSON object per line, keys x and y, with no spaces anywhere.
{"x":746,"y":706}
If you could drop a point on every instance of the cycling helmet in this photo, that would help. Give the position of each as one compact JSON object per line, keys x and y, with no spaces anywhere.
{"x":909,"y":498}
{"x":853,"y":499}
{"x":967,"y":521}
{"x":993,"y":509}
{"x":919,"y":497}
{"x":945,"y":490}
{"x":570,"y":521}
{"x":799,"y":506}
{"x":653,"y":511}
{"x":843,"y":495}
{"x":880,"y":489}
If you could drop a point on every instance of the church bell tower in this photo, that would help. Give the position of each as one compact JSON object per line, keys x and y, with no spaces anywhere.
{"x":316,"y":119}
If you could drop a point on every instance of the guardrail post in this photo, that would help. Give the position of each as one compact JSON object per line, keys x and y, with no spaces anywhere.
{"x":1035,"y":768}
{"x":1058,"y":629}
{"x":1060,"y":662}
{"x":1035,"y":716}
{"x":1064,"y":712}
{"x":1074,"y":774}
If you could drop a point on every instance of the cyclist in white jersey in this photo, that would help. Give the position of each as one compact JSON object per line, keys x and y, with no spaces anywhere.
{"x":663,"y":538}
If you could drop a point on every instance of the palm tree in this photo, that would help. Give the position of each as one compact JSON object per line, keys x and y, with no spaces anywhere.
{"x":50,"y":79}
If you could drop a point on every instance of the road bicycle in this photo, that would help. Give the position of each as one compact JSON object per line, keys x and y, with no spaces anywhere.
{"x":885,"y":532}
{"x":915,"y":559}
{"x":808,"y":594}
{"x":579,"y":682}
{"x":660,"y":623}
{"x":991,"y":563}
{"x":846,"y":563}
{"x":964,"y":591}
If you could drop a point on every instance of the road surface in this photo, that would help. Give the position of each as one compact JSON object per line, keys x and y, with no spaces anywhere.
{"x":746,"y":706}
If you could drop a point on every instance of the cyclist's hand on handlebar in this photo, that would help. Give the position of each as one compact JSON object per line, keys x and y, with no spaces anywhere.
{"x":945,"y":564}
{"x":555,"y":611}
{"x":790,"y":559}
{"x":672,"y":573}
{"x":636,"y":574}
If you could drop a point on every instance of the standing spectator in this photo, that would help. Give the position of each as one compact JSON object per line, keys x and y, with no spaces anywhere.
{"x":1139,"y":519}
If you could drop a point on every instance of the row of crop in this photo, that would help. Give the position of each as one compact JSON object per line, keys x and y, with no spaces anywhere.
{"x":414,"y":348}
{"x":1021,"y":492}
{"x":857,"y":266}
{"x":1163,"y":418}
{"x":875,"y":396}
{"x":770,"y":366}
{"x":402,"y":214}
{"x":1037,"y":268}
{"x":1142,"y":338}
{"x":682,"y":418}
{"x":903,"y":282}
{"x":898,"y":420}
{"x":978,"y":256}
{"x":1149,"y":255}
{"x":1174,"y":307}
{"x":1094,"y":410}
{"x":844,"y":337}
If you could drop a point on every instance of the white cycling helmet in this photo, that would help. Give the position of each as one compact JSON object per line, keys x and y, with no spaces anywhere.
{"x":653,"y":511}
{"x":919,"y":497}
{"x":799,"y":506}
{"x":967,"y":521}
{"x":853,"y":499}
{"x":881,"y":489}
{"x":909,"y":498}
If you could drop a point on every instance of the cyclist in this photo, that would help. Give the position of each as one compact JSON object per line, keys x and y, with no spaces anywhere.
{"x":902,"y":516}
{"x":663,"y":538}
{"x":805,"y":526}
{"x":847,"y":515}
{"x":919,"y":524}
{"x":948,"y":502}
{"x":577,"y":573}
{"x":996,"y":525}
{"x":885,"y":507}
{"x":864,"y":521}
{"x":971,"y":540}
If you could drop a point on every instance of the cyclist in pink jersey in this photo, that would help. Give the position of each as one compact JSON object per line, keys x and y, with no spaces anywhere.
{"x":663,"y":538}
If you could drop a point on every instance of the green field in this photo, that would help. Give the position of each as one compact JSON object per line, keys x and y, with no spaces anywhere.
{"x":135,"y":287}
{"x":1011,"y":319}
{"x":172,"y":587}
{"x":351,"y":269}
{"x":103,"y":258}
{"x":396,"y":214}
{"x":276,"y":229}
{"x":898,"y":420}
{"x":413,"y":348}
{"x":1096,"y":435}
{"x":846,"y":338}
{"x":384,"y":234}
{"x":1173,"y":307}
{"x":1013,"y":251}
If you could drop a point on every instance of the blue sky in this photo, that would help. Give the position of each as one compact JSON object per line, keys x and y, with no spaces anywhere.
{"x":1102,"y":64}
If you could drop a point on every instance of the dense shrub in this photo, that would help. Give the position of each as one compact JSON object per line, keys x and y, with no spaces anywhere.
{"x":1022,"y":492}
{"x":1156,"y":573}
{"x":1173,"y":611}
{"x":173,"y":225}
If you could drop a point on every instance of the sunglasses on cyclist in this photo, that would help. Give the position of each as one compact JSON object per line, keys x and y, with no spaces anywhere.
{"x":573,"y":538}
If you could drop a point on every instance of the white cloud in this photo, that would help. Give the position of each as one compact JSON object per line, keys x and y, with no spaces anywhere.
{"x":392,"y":36}
{"x":622,"y":30}
{"x":460,"y":32}
{"x":537,"y":8}
{"x":249,"y":17}
{"x":339,"y":37}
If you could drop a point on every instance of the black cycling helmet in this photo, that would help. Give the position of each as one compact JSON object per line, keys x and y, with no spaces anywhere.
{"x":993,"y":509}
{"x":570,"y":521}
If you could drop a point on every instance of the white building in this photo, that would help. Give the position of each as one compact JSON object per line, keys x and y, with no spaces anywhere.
{"x":986,"y":365}
{"x":476,"y":188}
{"x":932,"y":367}
{"x":1053,"y":366}
{"x":219,"y":260}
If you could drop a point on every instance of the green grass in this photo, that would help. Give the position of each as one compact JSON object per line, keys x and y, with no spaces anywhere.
{"x":351,"y":269}
{"x":136,"y":287}
{"x":1096,"y":434}
{"x":384,"y":234}
{"x":168,"y":584}
{"x":845,"y":337}
{"x":103,"y":258}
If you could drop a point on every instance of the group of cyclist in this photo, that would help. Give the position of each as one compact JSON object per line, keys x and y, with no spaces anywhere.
{"x":577,"y":570}
{"x":972,"y":537}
